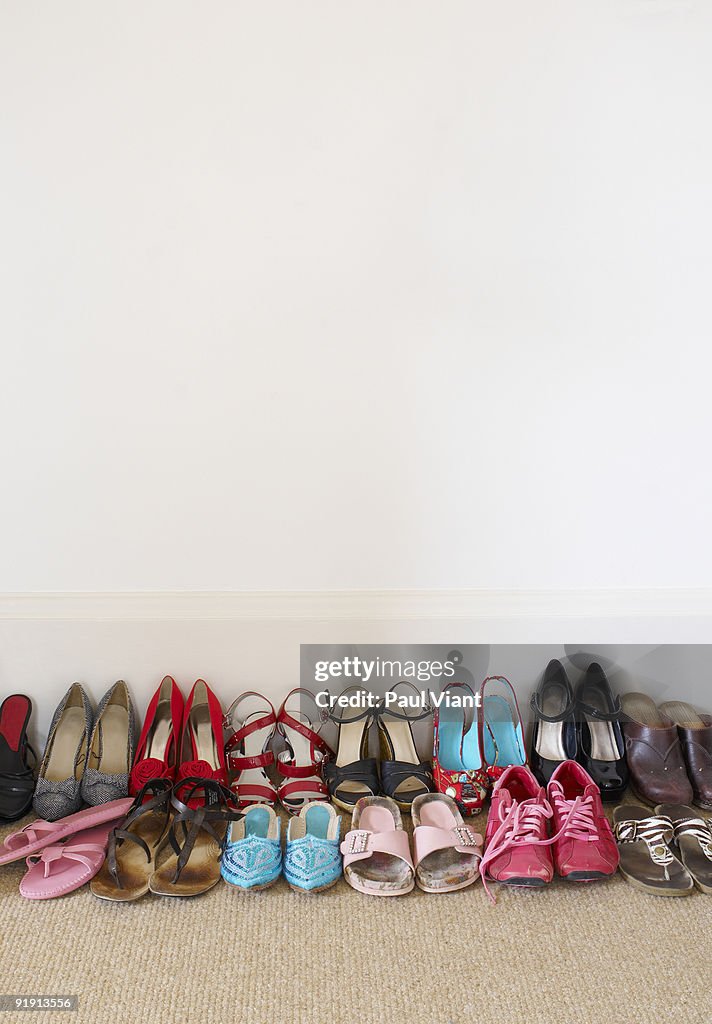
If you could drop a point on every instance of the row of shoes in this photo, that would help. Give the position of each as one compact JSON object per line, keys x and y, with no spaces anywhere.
{"x":91,"y":756}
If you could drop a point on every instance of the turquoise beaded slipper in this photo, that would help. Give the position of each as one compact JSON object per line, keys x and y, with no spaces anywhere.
{"x":253,"y":853}
{"x":312,"y":861}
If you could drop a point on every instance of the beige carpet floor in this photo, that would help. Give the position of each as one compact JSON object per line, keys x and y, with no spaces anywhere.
{"x":564,"y":955}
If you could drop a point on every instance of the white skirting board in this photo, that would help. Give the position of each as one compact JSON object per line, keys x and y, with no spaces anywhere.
{"x":242,"y":640}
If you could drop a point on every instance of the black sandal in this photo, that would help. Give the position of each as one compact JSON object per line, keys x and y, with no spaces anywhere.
{"x":403,"y":775}
{"x":134,"y":846}
{"x":17,"y":778}
{"x":198,"y":836}
{"x":352,"y":774}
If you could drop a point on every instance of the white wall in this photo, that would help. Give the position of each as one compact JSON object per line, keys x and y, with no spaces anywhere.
{"x":317,"y":295}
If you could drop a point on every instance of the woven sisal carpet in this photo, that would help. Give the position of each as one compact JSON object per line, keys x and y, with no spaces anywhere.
{"x":564,"y":955}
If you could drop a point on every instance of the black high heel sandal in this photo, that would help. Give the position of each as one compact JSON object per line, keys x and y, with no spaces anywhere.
{"x":17,"y":778}
{"x":403,"y":775}
{"x":352,"y":774}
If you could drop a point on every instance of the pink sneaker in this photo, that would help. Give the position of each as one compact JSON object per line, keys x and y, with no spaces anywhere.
{"x":517,"y":846}
{"x":584,"y":847}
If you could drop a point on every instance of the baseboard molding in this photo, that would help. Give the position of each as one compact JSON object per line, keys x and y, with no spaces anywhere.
{"x":362,"y":605}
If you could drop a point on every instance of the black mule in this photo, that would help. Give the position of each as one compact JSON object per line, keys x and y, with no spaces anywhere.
{"x":601,"y":743}
{"x":17,"y":779}
{"x":554,"y":734}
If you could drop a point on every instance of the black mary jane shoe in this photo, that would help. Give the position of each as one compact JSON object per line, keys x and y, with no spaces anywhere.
{"x":17,"y":778}
{"x":554,"y":734}
{"x":601,"y":743}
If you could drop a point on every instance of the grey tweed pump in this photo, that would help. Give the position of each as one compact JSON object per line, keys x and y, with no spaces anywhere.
{"x":111,"y":748}
{"x":60,"y":775}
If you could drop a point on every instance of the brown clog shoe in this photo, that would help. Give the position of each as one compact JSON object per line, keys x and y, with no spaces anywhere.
{"x":695,"y":732}
{"x":658,"y":772}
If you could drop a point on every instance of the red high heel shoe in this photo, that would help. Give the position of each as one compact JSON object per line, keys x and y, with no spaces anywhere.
{"x":157,"y":750}
{"x":202,"y":755}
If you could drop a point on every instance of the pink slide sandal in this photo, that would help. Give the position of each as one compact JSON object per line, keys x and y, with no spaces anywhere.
{"x":38,"y":834}
{"x":376,"y":851}
{"x":63,"y":867}
{"x":447,"y":852}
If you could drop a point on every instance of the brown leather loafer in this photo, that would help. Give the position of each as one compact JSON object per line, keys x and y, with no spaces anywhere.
{"x":655,"y":758}
{"x":695,"y":732}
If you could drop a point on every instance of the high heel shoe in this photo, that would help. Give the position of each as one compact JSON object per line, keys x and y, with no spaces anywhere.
{"x":601,"y":745}
{"x":202,"y":755}
{"x":17,"y":781}
{"x":403,"y":775}
{"x":301,"y":763}
{"x":554,"y":735}
{"x":501,"y":728}
{"x":249,"y":748}
{"x":111,"y":748}
{"x":157,"y":750}
{"x":458,"y":771}
{"x":58,"y":786}
{"x":352,"y":774}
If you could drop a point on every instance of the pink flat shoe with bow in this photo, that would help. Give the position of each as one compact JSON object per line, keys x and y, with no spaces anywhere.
{"x":63,"y":867}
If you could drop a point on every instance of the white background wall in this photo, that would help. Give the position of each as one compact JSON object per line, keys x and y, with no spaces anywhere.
{"x":321,"y":296}
{"x":317,"y":295}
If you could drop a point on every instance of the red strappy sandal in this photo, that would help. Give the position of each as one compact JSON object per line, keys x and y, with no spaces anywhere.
{"x":301,"y":763}
{"x":249,"y":750}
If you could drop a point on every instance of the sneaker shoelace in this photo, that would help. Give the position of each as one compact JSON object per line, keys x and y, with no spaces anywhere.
{"x":655,"y":832}
{"x":520,"y":825}
{"x":579,"y":822}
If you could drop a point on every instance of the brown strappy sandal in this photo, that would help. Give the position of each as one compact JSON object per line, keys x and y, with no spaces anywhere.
{"x":197,"y":837}
{"x":134,"y":846}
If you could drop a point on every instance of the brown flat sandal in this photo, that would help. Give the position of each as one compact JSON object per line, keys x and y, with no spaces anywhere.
{"x":135,"y":844}
{"x":197,"y":837}
{"x":647,"y":860}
